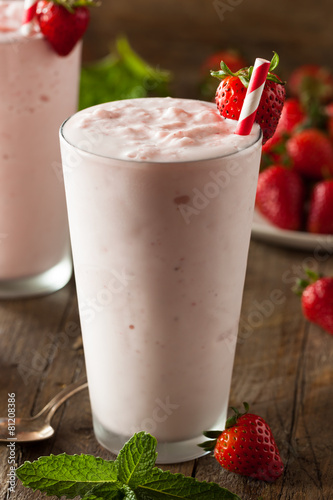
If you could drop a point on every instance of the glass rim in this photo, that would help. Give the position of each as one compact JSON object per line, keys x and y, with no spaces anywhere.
{"x":256,"y":140}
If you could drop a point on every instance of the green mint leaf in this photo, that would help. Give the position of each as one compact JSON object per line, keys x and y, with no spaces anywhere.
{"x":122,"y":74}
{"x":68,"y":475}
{"x":104,"y":492}
{"x":132,"y":476}
{"x":136,"y":458}
{"x":129,"y":494}
{"x":163,"y":485}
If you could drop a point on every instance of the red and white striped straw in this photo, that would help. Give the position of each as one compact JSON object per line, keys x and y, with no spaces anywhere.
{"x":30,"y":7}
{"x":253,"y":96}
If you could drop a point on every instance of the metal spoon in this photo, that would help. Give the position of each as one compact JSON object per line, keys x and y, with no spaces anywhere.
{"x":38,"y":427}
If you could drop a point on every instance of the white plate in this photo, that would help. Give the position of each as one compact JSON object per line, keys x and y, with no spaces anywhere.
{"x":263,"y":230}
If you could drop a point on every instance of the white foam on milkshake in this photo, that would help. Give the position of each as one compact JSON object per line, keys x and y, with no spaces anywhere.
{"x":156,"y":130}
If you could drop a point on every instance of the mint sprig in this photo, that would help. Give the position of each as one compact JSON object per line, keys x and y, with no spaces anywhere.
{"x":136,"y":458}
{"x":132,"y":476}
{"x":68,"y":475}
{"x":122,"y":74}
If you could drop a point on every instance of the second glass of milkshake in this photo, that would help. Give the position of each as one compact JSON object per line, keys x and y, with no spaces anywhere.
{"x":160,"y":196}
{"x":38,"y":90}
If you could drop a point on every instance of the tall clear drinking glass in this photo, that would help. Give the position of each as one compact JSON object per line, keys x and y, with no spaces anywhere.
{"x":38,"y":90}
{"x":160,"y":251}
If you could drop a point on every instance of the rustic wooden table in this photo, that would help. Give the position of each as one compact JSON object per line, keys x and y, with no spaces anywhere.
{"x":283,"y":368}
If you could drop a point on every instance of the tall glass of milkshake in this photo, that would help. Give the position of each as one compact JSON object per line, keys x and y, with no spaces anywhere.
{"x":160,"y":195}
{"x":38,"y":90}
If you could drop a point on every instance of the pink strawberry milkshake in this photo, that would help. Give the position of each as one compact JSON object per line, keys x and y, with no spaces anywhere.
{"x":38,"y":91}
{"x":160,"y":196}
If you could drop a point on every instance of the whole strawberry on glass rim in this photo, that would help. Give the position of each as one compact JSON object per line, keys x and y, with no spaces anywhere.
{"x":231,"y":93}
{"x":246,"y":447}
{"x":63,"y":22}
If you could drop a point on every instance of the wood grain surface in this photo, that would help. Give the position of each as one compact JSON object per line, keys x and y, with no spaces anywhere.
{"x":283,"y":368}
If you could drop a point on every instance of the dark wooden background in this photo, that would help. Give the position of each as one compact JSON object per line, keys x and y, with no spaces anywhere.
{"x":179,"y":34}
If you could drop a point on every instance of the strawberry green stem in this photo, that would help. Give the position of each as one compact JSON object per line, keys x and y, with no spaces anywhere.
{"x":301,"y":284}
{"x":245,"y":74}
{"x":71,"y":5}
{"x":233,"y":419}
{"x":214,"y":435}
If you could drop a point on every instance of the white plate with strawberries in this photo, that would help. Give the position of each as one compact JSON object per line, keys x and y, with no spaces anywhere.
{"x":294,"y":199}
{"x":263,"y":230}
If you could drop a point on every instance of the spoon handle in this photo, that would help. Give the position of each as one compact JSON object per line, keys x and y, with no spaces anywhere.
{"x":60,"y":398}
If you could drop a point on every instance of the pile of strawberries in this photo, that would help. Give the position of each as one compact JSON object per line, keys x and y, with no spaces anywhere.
{"x":295,"y":188}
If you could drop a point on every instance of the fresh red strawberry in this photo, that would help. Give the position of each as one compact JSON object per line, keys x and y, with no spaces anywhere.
{"x":230,"y":96}
{"x":246,"y":446}
{"x":320,"y":218}
{"x":269,"y":145}
{"x":280,"y":197}
{"x":231,"y":92}
{"x":274,"y":152}
{"x":63,"y":25}
{"x":292,"y":115}
{"x":314,"y":79}
{"x":317,"y":299}
{"x":311,"y":153}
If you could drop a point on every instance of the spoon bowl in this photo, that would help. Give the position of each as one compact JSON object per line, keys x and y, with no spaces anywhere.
{"x":39,"y":427}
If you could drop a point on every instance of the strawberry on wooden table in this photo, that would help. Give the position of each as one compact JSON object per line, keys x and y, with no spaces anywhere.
{"x":246,"y":447}
{"x":63,"y":22}
{"x":280,"y":197}
{"x":231,"y":92}
{"x":317,"y":299}
{"x":320,"y":218}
